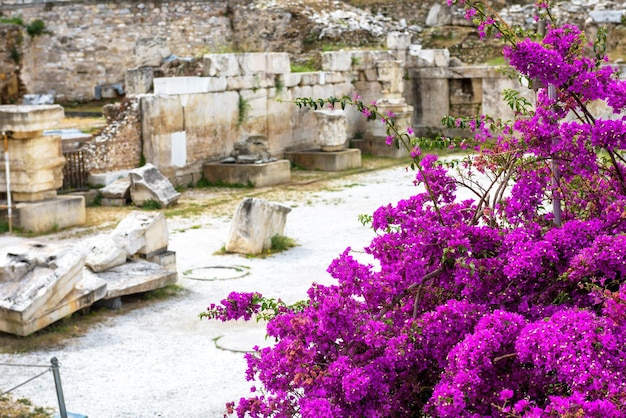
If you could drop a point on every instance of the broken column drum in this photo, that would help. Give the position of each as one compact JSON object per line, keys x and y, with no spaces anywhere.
{"x":36,"y":170}
{"x":331,"y":129}
{"x":36,"y":161}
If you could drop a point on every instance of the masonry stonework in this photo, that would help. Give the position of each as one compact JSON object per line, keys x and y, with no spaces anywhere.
{"x":92,"y":43}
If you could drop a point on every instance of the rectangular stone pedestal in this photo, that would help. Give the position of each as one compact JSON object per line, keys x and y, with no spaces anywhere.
{"x":326,"y":161}
{"x":379,"y":148}
{"x":259,"y":175}
{"x":48,"y":215}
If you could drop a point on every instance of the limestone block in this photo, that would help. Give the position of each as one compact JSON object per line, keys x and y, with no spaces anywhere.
{"x":51,"y":214}
{"x":43,"y":275}
{"x":36,"y":165}
{"x":221,"y":65}
{"x":331,"y":129}
{"x":147,"y":183}
{"x":150,"y":52}
{"x":255,"y":117}
{"x":136,"y":276}
{"x":291,"y":79}
{"x":89,"y":290}
{"x":441,"y":58}
{"x":138,"y":80}
{"x":104,"y":179}
{"x":422,"y":57}
{"x":312,"y":78}
{"x":277,"y":63}
{"x":188,"y":85}
{"x":255,"y":222}
{"x":27,"y":119}
{"x":607,"y":16}
{"x":279,"y":123}
{"x":398,"y":40}
{"x":251,"y":63}
{"x":119,"y":189}
{"x":208,"y":140}
{"x":260,"y":175}
{"x":337,"y":61}
{"x":438,"y":16}
{"x":334,"y":77}
{"x":304,"y":122}
{"x":249,"y":82}
{"x":370,"y":74}
{"x":142,"y":233}
{"x":390,"y":75}
{"x":361,"y":60}
{"x":103,"y":253}
{"x":326,"y":161}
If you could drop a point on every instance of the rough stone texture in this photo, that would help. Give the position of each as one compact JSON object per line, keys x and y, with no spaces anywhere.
{"x":150,"y":52}
{"x":331,"y":129}
{"x":11,"y":86}
{"x":103,"y":253}
{"x":27,"y":119}
{"x":254,"y":149}
{"x":142,"y":233}
{"x":135,"y":277}
{"x":88,"y":291}
{"x":257,"y":175}
{"x":147,"y":183}
{"x":36,"y":167}
{"x":118,"y":146}
{"x":165,"y":115}
{"x":326,"y":161}
{"x":92,"y":43}
{"x":51,"y":214}
{"x":41,"y":276}
{"x":119,"y":189}
{"x":255,"y":222}
{"x":138,"y":80}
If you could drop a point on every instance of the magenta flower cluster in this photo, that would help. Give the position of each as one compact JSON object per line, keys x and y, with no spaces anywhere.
{"x":483,"y":307}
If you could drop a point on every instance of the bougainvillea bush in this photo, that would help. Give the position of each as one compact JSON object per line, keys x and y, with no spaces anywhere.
{"x":511,"y":304}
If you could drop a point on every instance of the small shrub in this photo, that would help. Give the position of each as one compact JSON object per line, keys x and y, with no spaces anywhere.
{"x":244,"y":108}
{"x":282,"y":243}
{"x":150,"y":204}
{"x":306,"y":67}
{"x":37,"y":27}
{"x":15,"y":55}
{"x":97,"y":201}
{"x":13,"y":20}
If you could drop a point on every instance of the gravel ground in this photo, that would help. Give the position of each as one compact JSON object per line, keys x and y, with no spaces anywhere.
{"x":161,"y":360}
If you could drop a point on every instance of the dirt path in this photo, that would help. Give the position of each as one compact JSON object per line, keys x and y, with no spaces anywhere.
{"x":159,"y":360}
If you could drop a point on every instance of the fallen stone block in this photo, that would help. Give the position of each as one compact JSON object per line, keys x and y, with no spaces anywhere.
{"x":89,"y":290}
{"x":137,"y":276}
{"x":147,"y":183}
{"x":142,"y":232}
{"x":119,"y":189}
{"x":103,"y":253}
{"x":43,"y":276}
{"x":255,"y":222}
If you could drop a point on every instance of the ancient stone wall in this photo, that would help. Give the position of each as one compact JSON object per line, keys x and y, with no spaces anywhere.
{"x":119,"y":146}
{"x":92,"y":43}
{"x":11,"y":40}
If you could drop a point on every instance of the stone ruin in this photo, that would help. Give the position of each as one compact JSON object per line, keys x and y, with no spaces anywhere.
{"x":255,"y":222}
{"x":36,"y":170}
{"x":252,"y":150}
{"x":42,"y":283}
